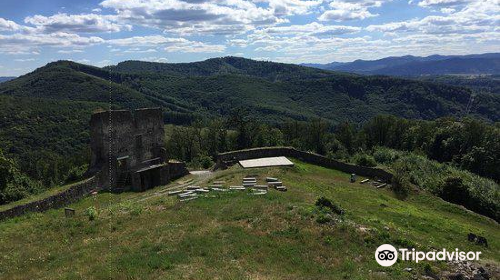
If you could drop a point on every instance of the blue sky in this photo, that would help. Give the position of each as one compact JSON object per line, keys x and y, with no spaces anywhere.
{"x":104,"y":32}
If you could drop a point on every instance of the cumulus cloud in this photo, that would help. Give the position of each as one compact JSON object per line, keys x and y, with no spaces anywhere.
{"x":442,"y":3}
{"x":283,"y":8}
{"x":229,"y":16}
{"x":476,"y":17}
{"x":8,"y":25}
{"x":169,"y":44}
{"x":154,"y":59}
{"x":83,"y":23}
{"x":23,"y":43}
{"x":343,"y":10}
{"x":314,"y":29}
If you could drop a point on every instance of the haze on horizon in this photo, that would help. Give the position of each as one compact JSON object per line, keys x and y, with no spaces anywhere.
{"x":97,"y":32}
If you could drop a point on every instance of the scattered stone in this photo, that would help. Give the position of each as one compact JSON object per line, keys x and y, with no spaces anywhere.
{"x":193,"y":187}
{"x":275,"y":184}
{"x":482,"y":241}
{"x":408,"y":269}
{"x":471,"y":237}
{"x":249,"y":184}
{"x":281,"y":188}
{"x":364,"y":181}
{"x":381,"y":186}
{"x":174,"y":192}
{"x":187,"y":194}
{"x":219,"y":190}
{"x":261,"y":187}
{"x":271,"y":179}
{"x":455,"y":276}
{"x":353,"y":178}
{"x":201,"y":190}
{"x":237,"y":188}
{"x":188,"y":199}
{"x":259,"y":193}
{"x":69,"y":212}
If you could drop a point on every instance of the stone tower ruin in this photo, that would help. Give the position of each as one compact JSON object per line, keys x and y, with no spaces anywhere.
{"x":128,"y":150}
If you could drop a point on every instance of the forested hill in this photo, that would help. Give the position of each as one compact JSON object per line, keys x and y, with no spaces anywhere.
{"x":225,"y":65}
{"x":44,"y":114}
{"x":271,"y":91}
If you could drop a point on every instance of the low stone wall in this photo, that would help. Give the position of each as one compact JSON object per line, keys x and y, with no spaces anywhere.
{"x":229,"y":158}
{"x":72,"y":194}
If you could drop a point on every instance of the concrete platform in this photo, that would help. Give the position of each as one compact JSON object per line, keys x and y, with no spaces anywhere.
{"x":265,"y":162}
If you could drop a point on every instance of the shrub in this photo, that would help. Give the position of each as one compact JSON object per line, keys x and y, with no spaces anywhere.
{"x":92,"y":213}
{"x":385,"y":155}
{"x":400,"y":181}
{"x":454,"y":190}
{"x":323,"y":218}
{"x":76,"y":173}
{"x":364,"y":160}
{"x":324,"y":202}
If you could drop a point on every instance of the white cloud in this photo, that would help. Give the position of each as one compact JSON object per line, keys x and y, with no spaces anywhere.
{"x":8,"y":25}
{"x":442,"y":3}
{"x":169,"y":44}
{"x":70,"y":51}
{"x":197,"y":16}
{"x":447,"y":10}
{"x":343,"y":10}
{"x":24,"y":59}
{"x":154,"y":59}
{"x":473,"y":18}
{"x":139,"y":50}
{"x":314,"y":28}
{"x":27,"y":43}
{"x":83,"y":23}
{"x":283,"y":8}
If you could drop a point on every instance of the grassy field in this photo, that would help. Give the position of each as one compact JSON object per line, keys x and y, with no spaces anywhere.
{"x":240,"y":236}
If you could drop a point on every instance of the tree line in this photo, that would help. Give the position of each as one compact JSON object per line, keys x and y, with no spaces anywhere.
{"x":468,"y":143}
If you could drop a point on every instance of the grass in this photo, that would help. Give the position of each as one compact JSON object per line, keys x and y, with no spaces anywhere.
{"x":239,"y":236}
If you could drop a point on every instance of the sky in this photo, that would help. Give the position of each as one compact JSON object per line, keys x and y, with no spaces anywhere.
{"x":106,"y":32}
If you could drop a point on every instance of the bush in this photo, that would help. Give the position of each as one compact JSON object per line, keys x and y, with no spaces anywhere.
{"x":400,"y":181}
{"x":324,"y":202}
{"x":323,"y":218}
{"x":364,"y":160}
{"x":385,"y":155}
{"x":92,"y":213}
{"x":76,"y":173}
{"x":454,"y":190}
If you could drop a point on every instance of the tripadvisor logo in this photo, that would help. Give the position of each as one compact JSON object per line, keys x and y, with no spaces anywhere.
{"x":387,"y":255}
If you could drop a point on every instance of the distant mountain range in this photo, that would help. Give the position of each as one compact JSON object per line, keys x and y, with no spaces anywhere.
{"x":5,"y":79}
{"x":419,"y":66}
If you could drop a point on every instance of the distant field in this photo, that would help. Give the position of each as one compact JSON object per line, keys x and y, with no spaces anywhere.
{"x":238,"y":236}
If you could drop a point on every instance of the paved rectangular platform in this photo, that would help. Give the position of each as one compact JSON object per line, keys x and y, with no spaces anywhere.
{"x":265,"y":162}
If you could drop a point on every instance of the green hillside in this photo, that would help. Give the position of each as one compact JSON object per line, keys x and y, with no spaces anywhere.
{"x":45,"y":113}
{"x":224,"y":66}
{"x":280,"y":235}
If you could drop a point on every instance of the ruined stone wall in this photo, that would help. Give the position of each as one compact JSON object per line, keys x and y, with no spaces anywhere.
{"x":225,"y":159}
{"x":72,"y":194}
{"x":176,"y":170}
{"x":138,"y":135}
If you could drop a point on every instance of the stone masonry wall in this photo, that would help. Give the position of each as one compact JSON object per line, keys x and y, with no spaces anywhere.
{"x":72,"y":194}
{"x":225,"y":159}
